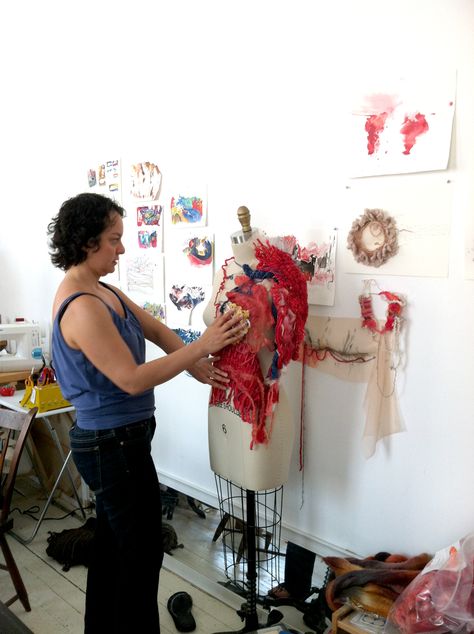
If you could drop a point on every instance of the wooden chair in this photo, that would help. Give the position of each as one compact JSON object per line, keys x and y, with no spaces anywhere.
{"x":14,"y":428}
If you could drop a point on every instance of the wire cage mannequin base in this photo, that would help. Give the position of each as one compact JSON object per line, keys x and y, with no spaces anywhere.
{"x":250,"y":528}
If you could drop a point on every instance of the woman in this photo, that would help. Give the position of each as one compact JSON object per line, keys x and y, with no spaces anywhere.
{"x":98,"y":352}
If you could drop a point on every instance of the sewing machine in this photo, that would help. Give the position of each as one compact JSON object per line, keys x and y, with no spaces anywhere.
{"x":20,"y":347}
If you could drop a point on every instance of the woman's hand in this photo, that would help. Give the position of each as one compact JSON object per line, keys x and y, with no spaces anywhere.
{"x":224,"y":330}
{"x":206,"y":372}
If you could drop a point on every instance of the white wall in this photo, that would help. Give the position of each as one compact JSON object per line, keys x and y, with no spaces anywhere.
{"x":249,"y":97}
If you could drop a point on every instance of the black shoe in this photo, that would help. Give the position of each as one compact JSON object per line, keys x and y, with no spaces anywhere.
{"x":179,"y":606}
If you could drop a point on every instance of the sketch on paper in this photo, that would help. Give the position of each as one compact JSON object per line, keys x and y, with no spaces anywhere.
{"x":150,"y":232}
{"x":199,"y":251}
{"x":145,"y":181}
{"x":401,"y":125}
{"x":105,"y":178}
{"x":184,"y":304}
{"x":149,"y":215}
{"x":143,"y":281}
{"x":191,"y":252}
{"x":422,"y":224}
{"x":147,"y":239}
{"x":187,"y":210}
{"x":140,"y":274}
{"x":189,"y":273}
{"x":186,"y":297}
{"x":314,"y":251}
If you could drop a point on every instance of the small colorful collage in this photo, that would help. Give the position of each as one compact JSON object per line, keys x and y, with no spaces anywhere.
{"x":160,"y":227}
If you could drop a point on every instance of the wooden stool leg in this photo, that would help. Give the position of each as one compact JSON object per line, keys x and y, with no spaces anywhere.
{"x":15,"y":576}
{"x":221,"y":526}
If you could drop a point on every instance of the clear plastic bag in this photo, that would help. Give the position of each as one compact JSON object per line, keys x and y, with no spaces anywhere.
{"x":441,"y":598}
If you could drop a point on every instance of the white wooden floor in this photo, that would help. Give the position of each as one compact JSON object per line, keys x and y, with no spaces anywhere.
{"x":57,"y":597}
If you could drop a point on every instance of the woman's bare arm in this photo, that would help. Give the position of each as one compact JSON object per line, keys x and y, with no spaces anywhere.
{"x":87,"y":325}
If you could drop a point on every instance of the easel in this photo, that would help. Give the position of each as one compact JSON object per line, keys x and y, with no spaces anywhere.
{"x":250,"y":532}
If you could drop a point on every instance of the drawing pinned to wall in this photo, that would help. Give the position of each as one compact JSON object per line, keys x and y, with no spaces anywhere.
{"x":149,"y":215}
{"x":191,"y":252}
{"x":401,"y":125}
{"x":199,"y":251}
{"x":143,"y":276}
{"x":145,"y":181}
{"x":314,"y":251}
{"x":373,"y":237}
{"x":417,"y":224}
{"x":147,"y":239}
{"x":187,"y":210}
{"x":149,"y":234}
{"x":185,"y":298}
{"x":104,"y":177}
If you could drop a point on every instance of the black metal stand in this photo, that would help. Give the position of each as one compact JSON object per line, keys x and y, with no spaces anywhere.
{"x":250,"y":532}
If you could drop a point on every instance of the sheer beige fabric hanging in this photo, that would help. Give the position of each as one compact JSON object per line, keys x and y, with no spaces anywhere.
{"x":367,"y":358}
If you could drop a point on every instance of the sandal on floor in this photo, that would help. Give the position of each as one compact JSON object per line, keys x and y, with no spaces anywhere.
{"x":179,"y":606}
{"x":279,"y":592}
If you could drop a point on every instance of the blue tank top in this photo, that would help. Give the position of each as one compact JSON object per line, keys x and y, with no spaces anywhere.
{"x":99,"y":403}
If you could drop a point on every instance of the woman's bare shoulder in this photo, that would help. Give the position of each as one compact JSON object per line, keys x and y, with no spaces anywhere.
{"x":65,"y":290}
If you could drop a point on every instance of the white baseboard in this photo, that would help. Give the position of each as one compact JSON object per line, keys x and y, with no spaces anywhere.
{"x":288,"y":532}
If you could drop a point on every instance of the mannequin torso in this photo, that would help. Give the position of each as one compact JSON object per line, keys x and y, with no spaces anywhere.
{"x":234,"y":454}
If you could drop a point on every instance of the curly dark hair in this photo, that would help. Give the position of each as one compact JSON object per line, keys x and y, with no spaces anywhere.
{"x":78,"y":227}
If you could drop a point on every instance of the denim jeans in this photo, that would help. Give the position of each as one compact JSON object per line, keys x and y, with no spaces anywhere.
{"x":123,"y":575}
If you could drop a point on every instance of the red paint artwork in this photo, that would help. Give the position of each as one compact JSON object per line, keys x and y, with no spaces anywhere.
{"x":374,"y":126}
{"x":401,"y":124}
{"x":412,"y":128}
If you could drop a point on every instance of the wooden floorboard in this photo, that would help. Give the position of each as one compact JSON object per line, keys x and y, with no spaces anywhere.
{"x":57,"y":597}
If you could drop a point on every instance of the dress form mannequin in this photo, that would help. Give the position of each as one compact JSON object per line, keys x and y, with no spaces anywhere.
{"x":233,"y":456}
